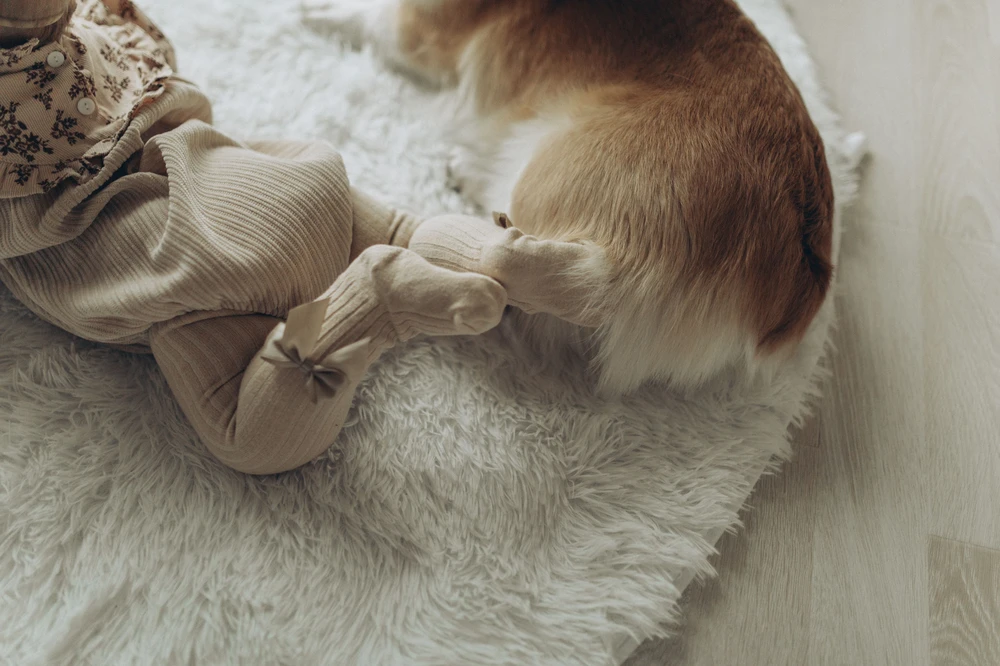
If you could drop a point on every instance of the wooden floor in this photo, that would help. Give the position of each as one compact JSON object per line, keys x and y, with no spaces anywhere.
{"x":880,"y":543}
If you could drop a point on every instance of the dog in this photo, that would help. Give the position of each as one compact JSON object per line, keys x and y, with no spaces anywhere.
{"x":665,"y":132}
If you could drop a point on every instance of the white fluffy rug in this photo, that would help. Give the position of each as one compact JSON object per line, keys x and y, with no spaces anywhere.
{"x":477,"y":513}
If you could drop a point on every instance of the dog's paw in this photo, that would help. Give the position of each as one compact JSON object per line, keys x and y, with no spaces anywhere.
{"x":351,"y":19}
{"x":456,"y":168}
{"x":856,"y":149}
{"x":464,"y":173}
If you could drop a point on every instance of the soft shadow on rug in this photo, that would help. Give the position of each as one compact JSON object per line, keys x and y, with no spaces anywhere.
{"x":477,"y":513}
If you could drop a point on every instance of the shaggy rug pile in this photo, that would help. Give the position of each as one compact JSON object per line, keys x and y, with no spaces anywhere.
{"x":477,"y":512}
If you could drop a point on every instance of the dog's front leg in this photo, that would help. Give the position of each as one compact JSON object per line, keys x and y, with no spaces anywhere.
{"x":418,"y":37}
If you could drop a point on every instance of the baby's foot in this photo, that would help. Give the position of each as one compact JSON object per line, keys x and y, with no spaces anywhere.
{"x":423,"y":298}
{"x":556,"y":277}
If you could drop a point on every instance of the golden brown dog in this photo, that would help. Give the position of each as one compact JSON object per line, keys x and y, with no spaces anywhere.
{"x":666,"y":132}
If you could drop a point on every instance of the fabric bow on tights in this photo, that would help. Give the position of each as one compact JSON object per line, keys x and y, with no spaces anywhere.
{"x":293,"y":346}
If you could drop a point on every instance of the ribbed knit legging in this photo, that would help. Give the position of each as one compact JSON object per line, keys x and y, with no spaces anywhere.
{"x":262,"y":409}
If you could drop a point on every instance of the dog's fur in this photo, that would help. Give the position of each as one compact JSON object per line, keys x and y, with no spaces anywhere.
{"x":666,"y":132}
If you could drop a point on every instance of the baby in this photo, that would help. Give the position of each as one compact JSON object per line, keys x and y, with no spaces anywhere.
{"x":262,"y":282}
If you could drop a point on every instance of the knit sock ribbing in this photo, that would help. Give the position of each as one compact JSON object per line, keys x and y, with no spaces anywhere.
{"x":389,"y":295}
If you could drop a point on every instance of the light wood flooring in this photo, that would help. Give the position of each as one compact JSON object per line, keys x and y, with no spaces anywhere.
{"x":880,"y":543}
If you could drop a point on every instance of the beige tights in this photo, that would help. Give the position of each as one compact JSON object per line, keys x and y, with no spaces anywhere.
{"x":268,"y":396}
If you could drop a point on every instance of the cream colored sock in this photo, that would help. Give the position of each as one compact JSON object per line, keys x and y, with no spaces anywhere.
{"x":388,"y":295}
{"x":564,"y":279}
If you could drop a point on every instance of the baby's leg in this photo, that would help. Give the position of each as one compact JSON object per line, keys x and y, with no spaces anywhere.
{"x":268,"y":396}
{"x":378,"y":224}
{"x":565,"y":279}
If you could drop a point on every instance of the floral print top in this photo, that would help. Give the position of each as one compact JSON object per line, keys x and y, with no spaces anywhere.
{"x":64,"y":104}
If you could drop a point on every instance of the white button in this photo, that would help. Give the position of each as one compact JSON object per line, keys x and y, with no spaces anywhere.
{"x":86,"y":106}
{"x":55,"y":59}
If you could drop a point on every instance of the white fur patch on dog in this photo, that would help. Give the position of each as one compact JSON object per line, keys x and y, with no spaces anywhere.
{"x":478,"y":512}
